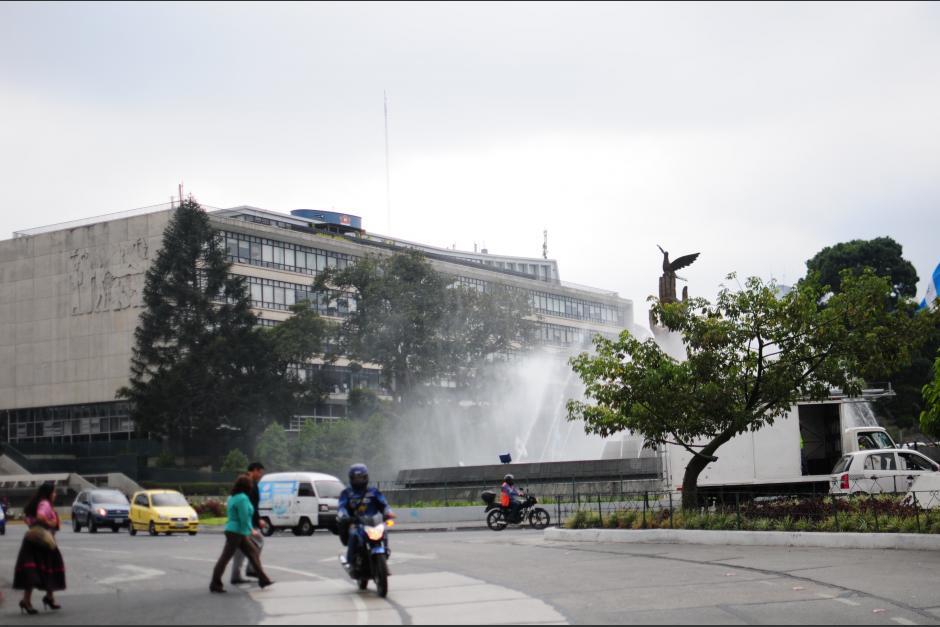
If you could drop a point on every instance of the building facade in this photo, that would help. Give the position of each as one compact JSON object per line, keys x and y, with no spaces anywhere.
{"x":71,"y":294}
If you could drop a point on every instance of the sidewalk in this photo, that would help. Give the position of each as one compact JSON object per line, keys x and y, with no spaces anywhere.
{"x":814,"y":539}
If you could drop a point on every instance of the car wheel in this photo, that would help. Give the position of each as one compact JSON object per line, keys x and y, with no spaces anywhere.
{"x":76,"y":526}
{"x":92,"y":527}
{"x":268,"y":530}
{"x":132,"y":530}
{"x":152,"y":529}
{"x":304,"y":528}
{"x":114,"y":529}
{"x":192,"y":533}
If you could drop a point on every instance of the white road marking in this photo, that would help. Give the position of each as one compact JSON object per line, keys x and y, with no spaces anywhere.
{"x":903,"y":621}
{"x":80,"y":548}
{"x":141,"y":575}
{"x":846,"y":602}
{"x":428,"y":598}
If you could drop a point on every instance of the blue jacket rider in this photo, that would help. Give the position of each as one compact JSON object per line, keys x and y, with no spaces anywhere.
{"x":358,"y":499}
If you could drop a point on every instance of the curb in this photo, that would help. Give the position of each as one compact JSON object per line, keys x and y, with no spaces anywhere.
{"x":219,"y":529}
{"x":900,"y":541}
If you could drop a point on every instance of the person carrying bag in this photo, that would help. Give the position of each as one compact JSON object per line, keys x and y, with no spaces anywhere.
{"x":39,"y":563}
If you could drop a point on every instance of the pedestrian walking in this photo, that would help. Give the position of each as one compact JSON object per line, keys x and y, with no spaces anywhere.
{"x":238,"y":530}
{"x":39,"y":564}
{"x":255,"y":472}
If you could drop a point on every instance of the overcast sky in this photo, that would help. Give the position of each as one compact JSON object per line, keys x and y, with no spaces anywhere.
{"x":754,"y":134}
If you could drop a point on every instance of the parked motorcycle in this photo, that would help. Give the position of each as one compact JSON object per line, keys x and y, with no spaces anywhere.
{"x":370,"y":560}
{"x":499,"y":517}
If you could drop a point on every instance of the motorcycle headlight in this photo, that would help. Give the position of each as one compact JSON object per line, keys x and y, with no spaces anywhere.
{"x":375,"y":533}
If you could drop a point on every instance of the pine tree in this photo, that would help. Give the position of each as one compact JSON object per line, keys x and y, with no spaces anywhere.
{"x":199,"y":362}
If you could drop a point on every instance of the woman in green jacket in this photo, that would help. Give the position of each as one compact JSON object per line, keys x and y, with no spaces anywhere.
{"x":238,"y":532}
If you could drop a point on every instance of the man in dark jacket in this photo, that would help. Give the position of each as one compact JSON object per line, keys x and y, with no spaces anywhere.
{"x":255,"y":471}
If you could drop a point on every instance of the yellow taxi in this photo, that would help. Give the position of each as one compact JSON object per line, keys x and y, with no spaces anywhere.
{"x":162,"y":511}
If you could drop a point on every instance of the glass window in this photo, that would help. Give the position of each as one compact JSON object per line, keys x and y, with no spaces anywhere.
{"x":329,"y":489}
{"x":255,"y":252}
{"x":279,"y":255}
{"x":312,"y":261}
{"x":231,"y":246}
{"x":911,"y":461}
{"x":244,"y":249}
{"x":256,"y":292}
{"x":268,"y":291}
{"x":169,"y":499}
{"x":267,"y":253}
{"x":289,"y":258}
{"x":279,"y":296}
{"x":305,"y":489}
{"x":289,"y":296}
{"x":842,"y":465}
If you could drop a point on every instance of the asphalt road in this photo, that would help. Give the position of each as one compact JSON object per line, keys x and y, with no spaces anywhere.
{"x":474,"y":577}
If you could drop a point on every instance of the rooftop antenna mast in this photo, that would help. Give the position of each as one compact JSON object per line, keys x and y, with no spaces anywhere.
{"x":388,"y":184}
{"x":545,"y":244}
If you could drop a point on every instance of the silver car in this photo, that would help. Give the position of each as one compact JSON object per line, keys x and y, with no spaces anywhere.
{"x":880,"y":471}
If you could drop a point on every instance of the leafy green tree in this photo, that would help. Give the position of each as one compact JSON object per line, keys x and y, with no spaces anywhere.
{"x":235,"y":461}
{"x":751,"y":356}
{"x":199,"y":362}
{"x":419,"y":325}
{"x":930,"y":416}
{"x":362,"y":403}
{"x":293,"y":344}
{"x":272,"y":448}
{"x":882,"y":254}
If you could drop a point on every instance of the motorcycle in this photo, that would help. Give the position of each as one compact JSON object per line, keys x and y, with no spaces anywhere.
{"x":499,"y":517}
{"x":370,"y":560}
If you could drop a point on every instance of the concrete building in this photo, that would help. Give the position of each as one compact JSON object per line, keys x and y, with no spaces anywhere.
{"x":70,"y":297}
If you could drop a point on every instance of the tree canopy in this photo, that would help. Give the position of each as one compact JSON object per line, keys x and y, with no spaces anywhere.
{"x":421,"y":326}
{"x":930,"y":416}
{"x":882,"y":254}
{"x":751,"y":356}
{"x":199,"y":361}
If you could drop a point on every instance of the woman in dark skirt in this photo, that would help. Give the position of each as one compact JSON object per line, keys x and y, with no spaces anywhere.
{"x":39,"y":564}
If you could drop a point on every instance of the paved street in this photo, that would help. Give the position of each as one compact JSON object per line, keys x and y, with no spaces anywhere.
{"x":485,"y":577}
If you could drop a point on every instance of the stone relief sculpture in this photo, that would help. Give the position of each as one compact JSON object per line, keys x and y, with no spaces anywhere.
{"x":107,"y":279}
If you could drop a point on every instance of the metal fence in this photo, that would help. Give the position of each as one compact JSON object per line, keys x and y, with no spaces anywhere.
{"x":853,"y":509}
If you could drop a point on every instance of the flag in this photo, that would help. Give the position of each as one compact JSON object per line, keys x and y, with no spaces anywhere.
{"x":933,"y":287}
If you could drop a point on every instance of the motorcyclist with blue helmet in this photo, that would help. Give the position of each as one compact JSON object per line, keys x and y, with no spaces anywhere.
{"x":358,"y":499}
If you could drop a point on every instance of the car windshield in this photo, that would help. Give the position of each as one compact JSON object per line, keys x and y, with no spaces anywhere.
{"x":108,"y":498}
{"x":168,"y":500}
{"x":842,"y":465}
{"x":874,"y":440}
{"x":329,"y":489}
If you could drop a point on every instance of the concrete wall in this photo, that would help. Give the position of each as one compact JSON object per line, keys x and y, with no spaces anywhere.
{"x":69,"y":304}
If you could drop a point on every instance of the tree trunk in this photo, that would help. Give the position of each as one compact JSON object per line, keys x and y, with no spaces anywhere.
{"x":696,"y":465}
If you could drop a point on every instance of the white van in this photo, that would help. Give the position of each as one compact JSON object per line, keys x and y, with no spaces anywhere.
{"x":299,"y":501}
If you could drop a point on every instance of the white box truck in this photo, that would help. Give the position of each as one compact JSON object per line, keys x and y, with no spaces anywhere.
{"x":771,"y":459}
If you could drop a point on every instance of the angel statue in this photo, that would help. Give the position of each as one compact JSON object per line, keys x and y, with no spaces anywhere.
{"x":667,"y":282}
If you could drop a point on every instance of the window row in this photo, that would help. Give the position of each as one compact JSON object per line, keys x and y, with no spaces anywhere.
{"x":258,"y":251}
{"x":69,"y":421}
{"x":555,"y":305}
{"x":271,"y":294}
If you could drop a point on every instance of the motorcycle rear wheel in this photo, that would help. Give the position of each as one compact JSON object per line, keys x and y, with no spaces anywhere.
{"x":380,"y":574}
{"x":539,"y":518}
{"x":496,"y":520}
